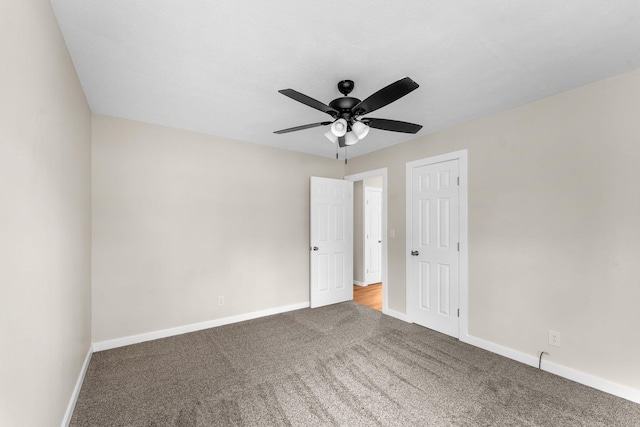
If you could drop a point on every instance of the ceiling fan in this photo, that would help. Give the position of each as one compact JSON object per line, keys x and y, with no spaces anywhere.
{"x":347,"y":127}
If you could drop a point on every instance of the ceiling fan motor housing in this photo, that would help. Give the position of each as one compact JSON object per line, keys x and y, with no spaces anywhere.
{"x":344,"y":105}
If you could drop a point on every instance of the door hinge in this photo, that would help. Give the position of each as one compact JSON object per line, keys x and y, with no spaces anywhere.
{"x":458,"y":312}
{"x":458,"y":246}
{"x":458,"y":180}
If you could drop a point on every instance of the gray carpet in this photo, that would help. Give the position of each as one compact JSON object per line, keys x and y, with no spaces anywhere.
{"x":344,"y":365}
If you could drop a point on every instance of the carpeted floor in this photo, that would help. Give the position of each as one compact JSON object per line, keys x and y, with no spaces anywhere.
{"x":344,"y":365}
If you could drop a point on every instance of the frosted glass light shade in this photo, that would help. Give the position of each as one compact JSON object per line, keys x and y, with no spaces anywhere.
{"x":350,"y":138}
{"x":339,"y":127}
{"x":331,"y":137}
{"x":360,"y":129}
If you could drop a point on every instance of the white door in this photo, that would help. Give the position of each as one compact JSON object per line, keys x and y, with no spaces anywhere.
{"x":434,"y":257}
{"x":372,"y":235}
{"x":331,"y":238}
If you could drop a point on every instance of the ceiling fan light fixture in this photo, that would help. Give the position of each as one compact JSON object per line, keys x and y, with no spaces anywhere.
{"x":331,"y":137}
{"x":339,"y":127}
{"x":350,"y":138}
{"x":360,"y":129}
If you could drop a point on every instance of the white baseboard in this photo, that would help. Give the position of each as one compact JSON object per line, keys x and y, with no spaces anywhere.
{"x":507,"y":352}
{"x":148,"y":336}
{"x":589,"y":380}
{"x":592,"y":381}
{"x":76,"y":390}
{"x":396,"y":314}
{"x":359,"y":283}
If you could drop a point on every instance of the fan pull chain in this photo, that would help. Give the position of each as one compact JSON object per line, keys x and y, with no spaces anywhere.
{"x":336,"y":151}
{"x":345,"y":155}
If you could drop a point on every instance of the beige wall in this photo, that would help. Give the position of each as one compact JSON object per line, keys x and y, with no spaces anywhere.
{"x":45,"y":218}
{"x":375,"y":181}
{"x":181,"y":218}
{"x":554,"y":215}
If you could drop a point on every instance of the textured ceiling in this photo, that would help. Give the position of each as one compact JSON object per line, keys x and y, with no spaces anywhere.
{"x":215,"y":66}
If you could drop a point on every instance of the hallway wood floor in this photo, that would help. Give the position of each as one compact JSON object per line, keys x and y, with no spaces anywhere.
{"x":371,"y":295}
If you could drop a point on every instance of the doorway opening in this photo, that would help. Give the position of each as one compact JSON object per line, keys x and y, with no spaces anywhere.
{"x":370,"y":295}
{"x":370,"y":285}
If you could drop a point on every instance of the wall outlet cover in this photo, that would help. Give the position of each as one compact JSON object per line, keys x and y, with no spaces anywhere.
{"x":555,"y":338}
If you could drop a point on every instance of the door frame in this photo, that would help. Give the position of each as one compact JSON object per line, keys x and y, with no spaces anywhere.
{"x":463,"y":295}
{"x":385,"y":279}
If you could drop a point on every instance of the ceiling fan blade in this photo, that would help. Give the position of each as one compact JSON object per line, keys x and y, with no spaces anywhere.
{"x":392,"y":125}
{"x":385,"y":96}
{"x":312,"y":125}
{"x":307,"y":100}
{"x":342,"y":141}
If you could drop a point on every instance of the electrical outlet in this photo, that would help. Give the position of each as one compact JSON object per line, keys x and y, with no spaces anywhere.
{"x":392,"y":233}
{"x":554,"y":338}
{"x":220,"y":301}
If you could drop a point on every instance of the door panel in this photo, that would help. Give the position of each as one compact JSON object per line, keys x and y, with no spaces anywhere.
{"x":331,"y":238}
{"x":424,"y":284}
{"x":373,"y":235}
{"x":435,"y":235}
{"x":322,"y":274}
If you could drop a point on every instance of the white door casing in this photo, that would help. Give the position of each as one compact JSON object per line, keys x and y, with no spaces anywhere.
{"x":372,"y":235}
{"x":433,"y":236}
{"x":331,"y":238}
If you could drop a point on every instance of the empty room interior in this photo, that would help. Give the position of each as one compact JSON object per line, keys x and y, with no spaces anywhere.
{"x":185,"y":208}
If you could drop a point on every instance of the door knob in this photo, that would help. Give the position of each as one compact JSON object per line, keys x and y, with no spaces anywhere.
{"x":379,"y":241}
{"x":415,"y":253}
{"x":315,"y":248}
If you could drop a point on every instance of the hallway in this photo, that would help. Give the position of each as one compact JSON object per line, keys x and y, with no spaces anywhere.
{"x":371,"y":295}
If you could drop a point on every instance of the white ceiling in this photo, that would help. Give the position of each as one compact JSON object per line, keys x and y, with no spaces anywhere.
{"x":215,"y":66}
